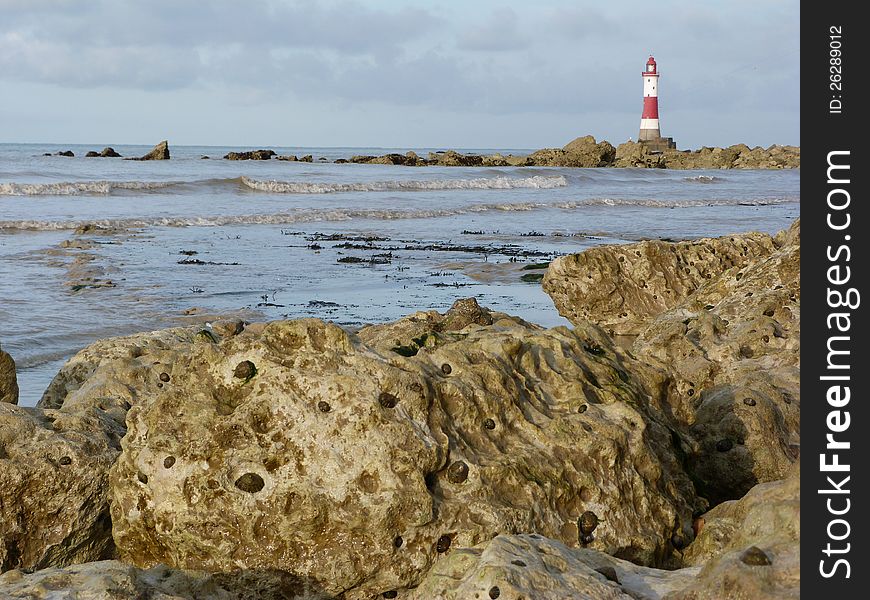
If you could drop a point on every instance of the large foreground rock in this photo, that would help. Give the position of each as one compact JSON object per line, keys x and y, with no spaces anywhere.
{"x":722,"y":317}
{"x":357,"y":466}
{"x":8,"y":379}
{"x":53,"y":484}
{"x":55,"y":458}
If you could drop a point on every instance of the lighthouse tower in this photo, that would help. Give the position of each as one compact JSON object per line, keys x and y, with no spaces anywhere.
{"x":650,"y":134}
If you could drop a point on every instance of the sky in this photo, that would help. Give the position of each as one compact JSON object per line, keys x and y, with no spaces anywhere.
{"x":373,"y":73}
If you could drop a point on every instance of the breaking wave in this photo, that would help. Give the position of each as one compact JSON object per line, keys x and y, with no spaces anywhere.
{"x":107,"y":188}
{"x":703,"y":179}
{"x":80,"y":188}
{"x":348,"y":214}
{"x":481,"y":183}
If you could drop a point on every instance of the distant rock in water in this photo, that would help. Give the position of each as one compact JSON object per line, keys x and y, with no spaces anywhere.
{"x":586,"y":152}
{"x":65,"y":153}
{"x":159,"y":152}
{"x":251,"y":155}
{"x":106,"y":152}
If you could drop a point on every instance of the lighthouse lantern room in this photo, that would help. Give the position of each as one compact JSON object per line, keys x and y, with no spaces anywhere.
{"x":650,"y":134}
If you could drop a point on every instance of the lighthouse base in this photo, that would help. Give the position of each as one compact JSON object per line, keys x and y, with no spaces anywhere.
{"x":659,"y":144}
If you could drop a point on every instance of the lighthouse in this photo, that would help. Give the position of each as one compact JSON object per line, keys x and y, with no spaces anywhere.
{"x":650,"y":134}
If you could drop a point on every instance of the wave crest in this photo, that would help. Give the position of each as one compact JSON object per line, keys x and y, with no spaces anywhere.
{"x":480,"y":183}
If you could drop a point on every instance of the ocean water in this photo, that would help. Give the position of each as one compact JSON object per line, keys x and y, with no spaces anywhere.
{"x":188,"y":240}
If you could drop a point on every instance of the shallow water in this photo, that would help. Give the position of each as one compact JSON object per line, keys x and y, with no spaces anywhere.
{"x":189,"y":238}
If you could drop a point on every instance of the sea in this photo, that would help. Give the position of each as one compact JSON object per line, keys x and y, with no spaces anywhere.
{"x":98,"y":247}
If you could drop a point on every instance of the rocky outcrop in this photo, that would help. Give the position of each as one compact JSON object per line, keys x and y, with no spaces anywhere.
{"x":581,"y":152}
{"x":109,"y":152}
{"x":68,"y":153}
{"x":587,"y":152}
{"x":251,"y":155}
{"x":735,"y":343}
{"x":722,"y":317}
{"x":8,"y":379}
{"x":623,"y":287}
{"x":270,"y":450}
{"x":159,"y":152}
{"x":53,"y":484}
{"x":532,"y":566}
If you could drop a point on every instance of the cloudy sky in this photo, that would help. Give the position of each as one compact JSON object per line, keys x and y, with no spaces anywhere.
{"x":446,"y":73}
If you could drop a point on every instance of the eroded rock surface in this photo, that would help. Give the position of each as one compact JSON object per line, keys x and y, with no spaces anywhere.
{"x":54,"y":486}
{"x":532,"y":566}
{"x":358,"y":466}
{"x":8,"y":379}
{"x":623,"y":287}
{"x":114,"y":580}
{"x":722,"y":318}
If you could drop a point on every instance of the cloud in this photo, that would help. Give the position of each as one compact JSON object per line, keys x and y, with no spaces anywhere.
{"x":500,"y":33}
{"x":488,"y":58}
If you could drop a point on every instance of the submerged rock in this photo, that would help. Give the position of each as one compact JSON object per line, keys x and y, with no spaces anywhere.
{"x":8,"y":379}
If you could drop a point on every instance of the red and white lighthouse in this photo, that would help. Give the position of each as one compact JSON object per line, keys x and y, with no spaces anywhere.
{"x":649,"y":121}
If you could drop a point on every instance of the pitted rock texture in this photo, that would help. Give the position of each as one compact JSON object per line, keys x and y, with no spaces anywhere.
{"x":122,"y":368}
{"x":55,"y":458}
{"x":532,"y":566}
{"x":336,"y":460}
{"x":622,"y":288}
{"x":733,"y":352}
{"x":722,"y":318}
{"x":8,"y":379}
{"x":114,"y":580}
{"x":54,"y":485}
{"x":767,"y":517}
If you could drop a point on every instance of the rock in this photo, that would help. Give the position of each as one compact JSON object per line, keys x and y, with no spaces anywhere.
{"x":622,"y":288}
{"x":65,"y":153}
{"x":278,"y":470}
{"x":532,"y":566}
{"x":109,"y":152}
{"x":289,"y":158}
{"x":92,"y":154}
{"x":53,"y":486}
{"x":159,"y":152}
{"x":8,"y":379}
{"x":121,"y":367}
{"x":251,"y":155}
{"x":733,"y":351}
{"x":466,"y":312}
{"x":307,"y":158}
{"x":721,"y":316}
{"x":635,"y":154}
{"x":767,"y":517}
{"x":581,"y":152}
{"x":113,"y":579}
